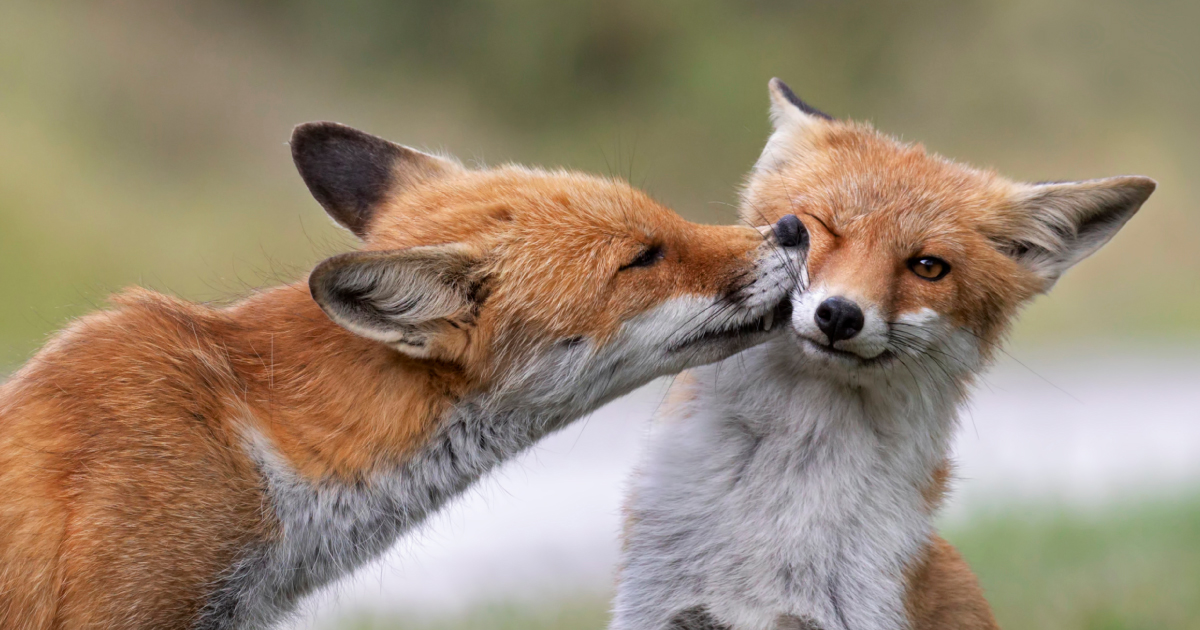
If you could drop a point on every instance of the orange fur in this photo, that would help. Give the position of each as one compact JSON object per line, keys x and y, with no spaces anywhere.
{"x":125,"y":486}
{"x":872,"y":205}
{"x":945,"y":595}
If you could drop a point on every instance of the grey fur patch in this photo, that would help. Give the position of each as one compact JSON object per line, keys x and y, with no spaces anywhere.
{"x":331,"y":528}
{"x":792,"y":622}
{"x":696,"y":618}
{"x":782,"y":498}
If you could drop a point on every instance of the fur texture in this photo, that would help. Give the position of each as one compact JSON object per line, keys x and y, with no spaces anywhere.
{"x":165,"y":464}
{"x":794,"y":485}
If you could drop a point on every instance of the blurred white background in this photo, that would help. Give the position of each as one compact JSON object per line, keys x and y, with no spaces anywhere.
{"x":1080,"y":427}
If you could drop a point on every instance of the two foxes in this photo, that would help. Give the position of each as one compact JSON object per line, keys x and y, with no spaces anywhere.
{"x":165,"y":464}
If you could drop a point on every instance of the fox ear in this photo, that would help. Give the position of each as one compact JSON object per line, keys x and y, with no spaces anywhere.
{"x":1063,"y":223}
{"x":792,"y":120}
{"x":411,"y":299}
{"x":351,"y":173}
{"x":787,"y":108}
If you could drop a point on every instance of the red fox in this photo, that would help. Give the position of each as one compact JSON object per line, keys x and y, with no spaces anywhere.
{"x":794,"y":486}
{"x":165,"y":464}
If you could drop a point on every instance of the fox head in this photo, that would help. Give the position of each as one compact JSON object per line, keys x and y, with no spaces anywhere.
{"x":532,"y":280}
{"x":915,"y":257}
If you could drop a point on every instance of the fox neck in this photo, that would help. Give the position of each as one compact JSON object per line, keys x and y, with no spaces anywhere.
{"x":778,"y":485}
{"x":850,"y":471}
{"x":333,"y":405}
{"x":908,"y":413}
{"x":356,"y":446}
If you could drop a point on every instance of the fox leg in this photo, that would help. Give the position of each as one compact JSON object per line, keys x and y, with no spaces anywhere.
{"x":944,"y":594}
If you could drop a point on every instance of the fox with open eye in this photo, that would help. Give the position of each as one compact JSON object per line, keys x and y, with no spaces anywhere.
{"x":795,"y":488}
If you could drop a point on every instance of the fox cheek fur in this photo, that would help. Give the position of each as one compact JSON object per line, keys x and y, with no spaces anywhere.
{"x":796,"y":485}
{"x":506,"y":291}
{"x":876,"y":207}
{"x":165,"y":464}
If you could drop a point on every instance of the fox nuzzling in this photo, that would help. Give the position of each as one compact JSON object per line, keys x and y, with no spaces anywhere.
{"x":165,"y":464}
{"x":795,"y":487}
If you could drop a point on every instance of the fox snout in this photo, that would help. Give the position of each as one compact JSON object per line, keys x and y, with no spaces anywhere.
{"x":839,"y":318}
{"x":758,"y":295}
{"x":790,"y":232}
{"x":840,"y":324}
{"x":787,"y":232}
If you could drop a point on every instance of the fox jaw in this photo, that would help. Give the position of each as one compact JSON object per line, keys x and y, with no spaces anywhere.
{"x":918,"y":264}
{"x":550,"y":287}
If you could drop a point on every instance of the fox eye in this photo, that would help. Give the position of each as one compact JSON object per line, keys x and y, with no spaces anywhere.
{"x":645,"y":258}
{"x":929,"y":268}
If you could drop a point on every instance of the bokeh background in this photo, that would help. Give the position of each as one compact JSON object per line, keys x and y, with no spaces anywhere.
{"x":144,"y":143}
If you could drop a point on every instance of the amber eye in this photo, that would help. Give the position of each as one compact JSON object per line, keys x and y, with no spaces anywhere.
{"x":929,"y":268}
{"x":645,"y":258}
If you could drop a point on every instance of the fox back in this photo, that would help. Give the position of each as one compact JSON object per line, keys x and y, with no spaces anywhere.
{"x":165,"y":464}
{"x":795,"y":485}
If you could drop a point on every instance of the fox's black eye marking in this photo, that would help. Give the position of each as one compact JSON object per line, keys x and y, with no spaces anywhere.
{"x":645,"y":258}
{"x":929,"y":268}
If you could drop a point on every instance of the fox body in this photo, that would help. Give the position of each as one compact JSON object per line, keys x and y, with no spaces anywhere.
{"x":165,"y":464}
{"x":794,"y":485}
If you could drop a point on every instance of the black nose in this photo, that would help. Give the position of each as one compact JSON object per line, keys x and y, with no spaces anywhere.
{"x":839,"y":318}
{"x":790,"y":232}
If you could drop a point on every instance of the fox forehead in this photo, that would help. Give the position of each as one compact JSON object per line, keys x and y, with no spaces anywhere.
{"x":484,"y":207}
{"x":873,"y":203}
{"x":554,"y":240}
{"x":857,"y":180}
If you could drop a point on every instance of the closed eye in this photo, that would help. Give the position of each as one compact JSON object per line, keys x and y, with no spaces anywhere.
{"x":823,"y":224}
{"x":645,"y":258}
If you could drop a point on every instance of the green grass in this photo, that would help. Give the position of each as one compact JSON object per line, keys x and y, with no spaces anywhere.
{"x":581,"y":613}
{"x":1124,"y":569}
{"x":1133,"y":567}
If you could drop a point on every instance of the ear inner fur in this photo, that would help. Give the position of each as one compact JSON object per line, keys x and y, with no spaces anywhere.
{"x":1065,"y":222}
{"x":791,"y":97}
{"x":398,"y":297}
{"x":797,"y":128}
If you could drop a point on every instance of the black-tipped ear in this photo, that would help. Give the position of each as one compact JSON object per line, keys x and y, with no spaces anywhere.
{"x":781,"y":94}
{"x":1063,"y":223}
{"x":350,"y":173}
{"x":794,"y":121}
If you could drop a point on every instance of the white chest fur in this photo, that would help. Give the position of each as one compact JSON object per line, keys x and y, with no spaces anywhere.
{"x":772,"y":493}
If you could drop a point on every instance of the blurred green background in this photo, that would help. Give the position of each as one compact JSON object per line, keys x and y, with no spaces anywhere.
{"x":144,"y":143}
